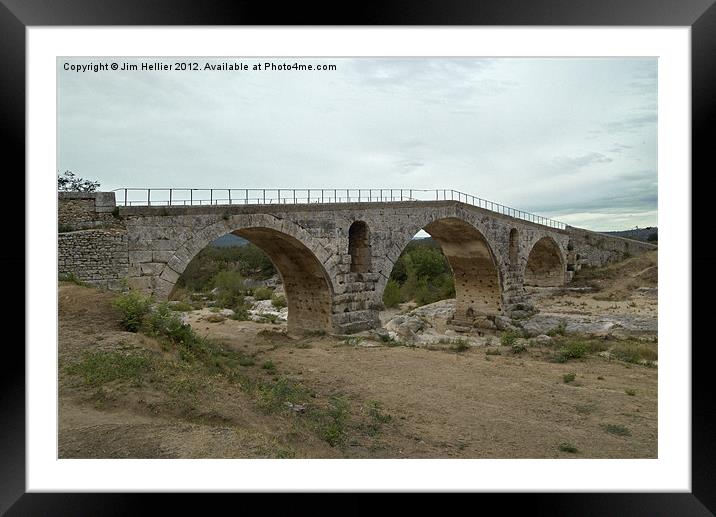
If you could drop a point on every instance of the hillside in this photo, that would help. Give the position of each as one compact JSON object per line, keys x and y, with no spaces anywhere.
{"x":638,"y":234}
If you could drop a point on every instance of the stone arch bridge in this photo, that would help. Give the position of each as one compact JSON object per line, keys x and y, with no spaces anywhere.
{"x":335,"y":258}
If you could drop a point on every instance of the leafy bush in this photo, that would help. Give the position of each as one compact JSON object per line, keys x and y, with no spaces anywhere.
{"x":460,"y":345}
{"x":567,"y":447}
{"x":391,"y":294}
{"x":278,"y":301}
{"x":240,"y":314}
{"x":573,"y":350}
{"x":69,"y":182}
{"x":569,"y":377}
{"x":559,"y":330}
{"x":509,"y":337}
{"x":247,"y":260}
{"x":133,"y":306}
{"x":230,"y":287}
{"x":421,"y":273}
{"x":263,"y":293}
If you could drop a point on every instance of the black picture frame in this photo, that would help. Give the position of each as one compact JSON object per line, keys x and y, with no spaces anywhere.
{"x":700,"y":15}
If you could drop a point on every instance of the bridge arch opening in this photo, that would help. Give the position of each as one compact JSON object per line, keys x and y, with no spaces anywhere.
{"x":469,"y":263}
{"x":307,"y":288}
{"x":359,"y":247}
{"x":545,"y":266}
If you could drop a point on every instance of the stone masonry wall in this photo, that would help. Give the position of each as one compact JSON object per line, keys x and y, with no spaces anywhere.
{"x":92,"y":243}
{"x":98,"y":257}
{"x":596,"y":249}
{"x":82,"y":210}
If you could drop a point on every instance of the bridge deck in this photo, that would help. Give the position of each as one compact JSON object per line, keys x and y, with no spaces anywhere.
{"x":223,"y":209}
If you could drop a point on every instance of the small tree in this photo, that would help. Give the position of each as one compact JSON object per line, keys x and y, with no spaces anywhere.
{"x":69,"y":182}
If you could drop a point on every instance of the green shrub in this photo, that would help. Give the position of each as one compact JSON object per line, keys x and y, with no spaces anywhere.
{"x":269,"y":318}
{"x":240,"y":313}
{"x":248,"y":260}
{"x":567,"y":447}
{"x":182,"y":306}
{"x":278,"y":301}
{"x":559,"y":330}
{"x":518,"y":348}
{"x":616,"y":429}
{"x":460,"y":345}
{"x":133,"y":306}
{"x":509,"y":337}
{"x":421,"y":273}
{"x":262,"y":293}
{"x":230,"y":287}
{"x":569,"y":377}
{"x":573,"y":350}
{"x":391,"y":294}
{"x":268,"y":365}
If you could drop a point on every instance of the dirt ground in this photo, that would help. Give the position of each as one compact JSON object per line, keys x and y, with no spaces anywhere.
{"x":353,"y":397}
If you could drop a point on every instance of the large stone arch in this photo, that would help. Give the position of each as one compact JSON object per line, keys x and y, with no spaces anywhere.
{"x":298,"y":257}
{"x":476,"y":264}
{"x":545,"y":265}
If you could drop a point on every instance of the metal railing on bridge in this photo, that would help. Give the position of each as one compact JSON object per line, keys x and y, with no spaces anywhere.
{"x":198,"y":196}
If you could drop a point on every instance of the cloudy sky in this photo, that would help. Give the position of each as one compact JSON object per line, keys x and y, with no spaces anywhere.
{"x":571,"y":139}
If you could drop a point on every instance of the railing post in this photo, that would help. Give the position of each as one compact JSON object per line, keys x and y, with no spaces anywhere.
{"x":294,"y":196}
{"x":264,"y":196}
{"x":279,"y":195}
{"x":170,"y":197}
{"x":211,"y":196}
{"x":348,"y":196}
{"x":246,"y":202}
{"x":401,"y":194}
{"x":229,"y":195}
{"x":191,"y":196}
{"x":321,"y":195}
{"x":410,"y":196}
{"x":149,"y":197}
{"x":308,"y":195}
{"x":125,"y":197}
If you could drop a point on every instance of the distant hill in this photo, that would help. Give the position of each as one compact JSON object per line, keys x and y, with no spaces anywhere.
{"x":229,"y":240}
{"x":638,"y":234}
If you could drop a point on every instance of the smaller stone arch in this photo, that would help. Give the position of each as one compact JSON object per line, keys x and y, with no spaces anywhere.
{"x":514,"y":247}
{"x":359,"y":247}
{"x":546,"y":265}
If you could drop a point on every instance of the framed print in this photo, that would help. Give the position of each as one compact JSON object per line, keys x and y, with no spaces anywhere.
{"x":412,"y":251}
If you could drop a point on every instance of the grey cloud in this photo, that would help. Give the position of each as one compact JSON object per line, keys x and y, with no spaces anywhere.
{"x":536,"y":134}
{"x":632,"y":124}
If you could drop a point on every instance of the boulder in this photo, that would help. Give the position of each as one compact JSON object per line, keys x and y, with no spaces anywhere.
{"x":405,"y":326}
{"x":542,"y":339}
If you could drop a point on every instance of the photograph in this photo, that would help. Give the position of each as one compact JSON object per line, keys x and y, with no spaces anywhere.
{"x":357,"y":257}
